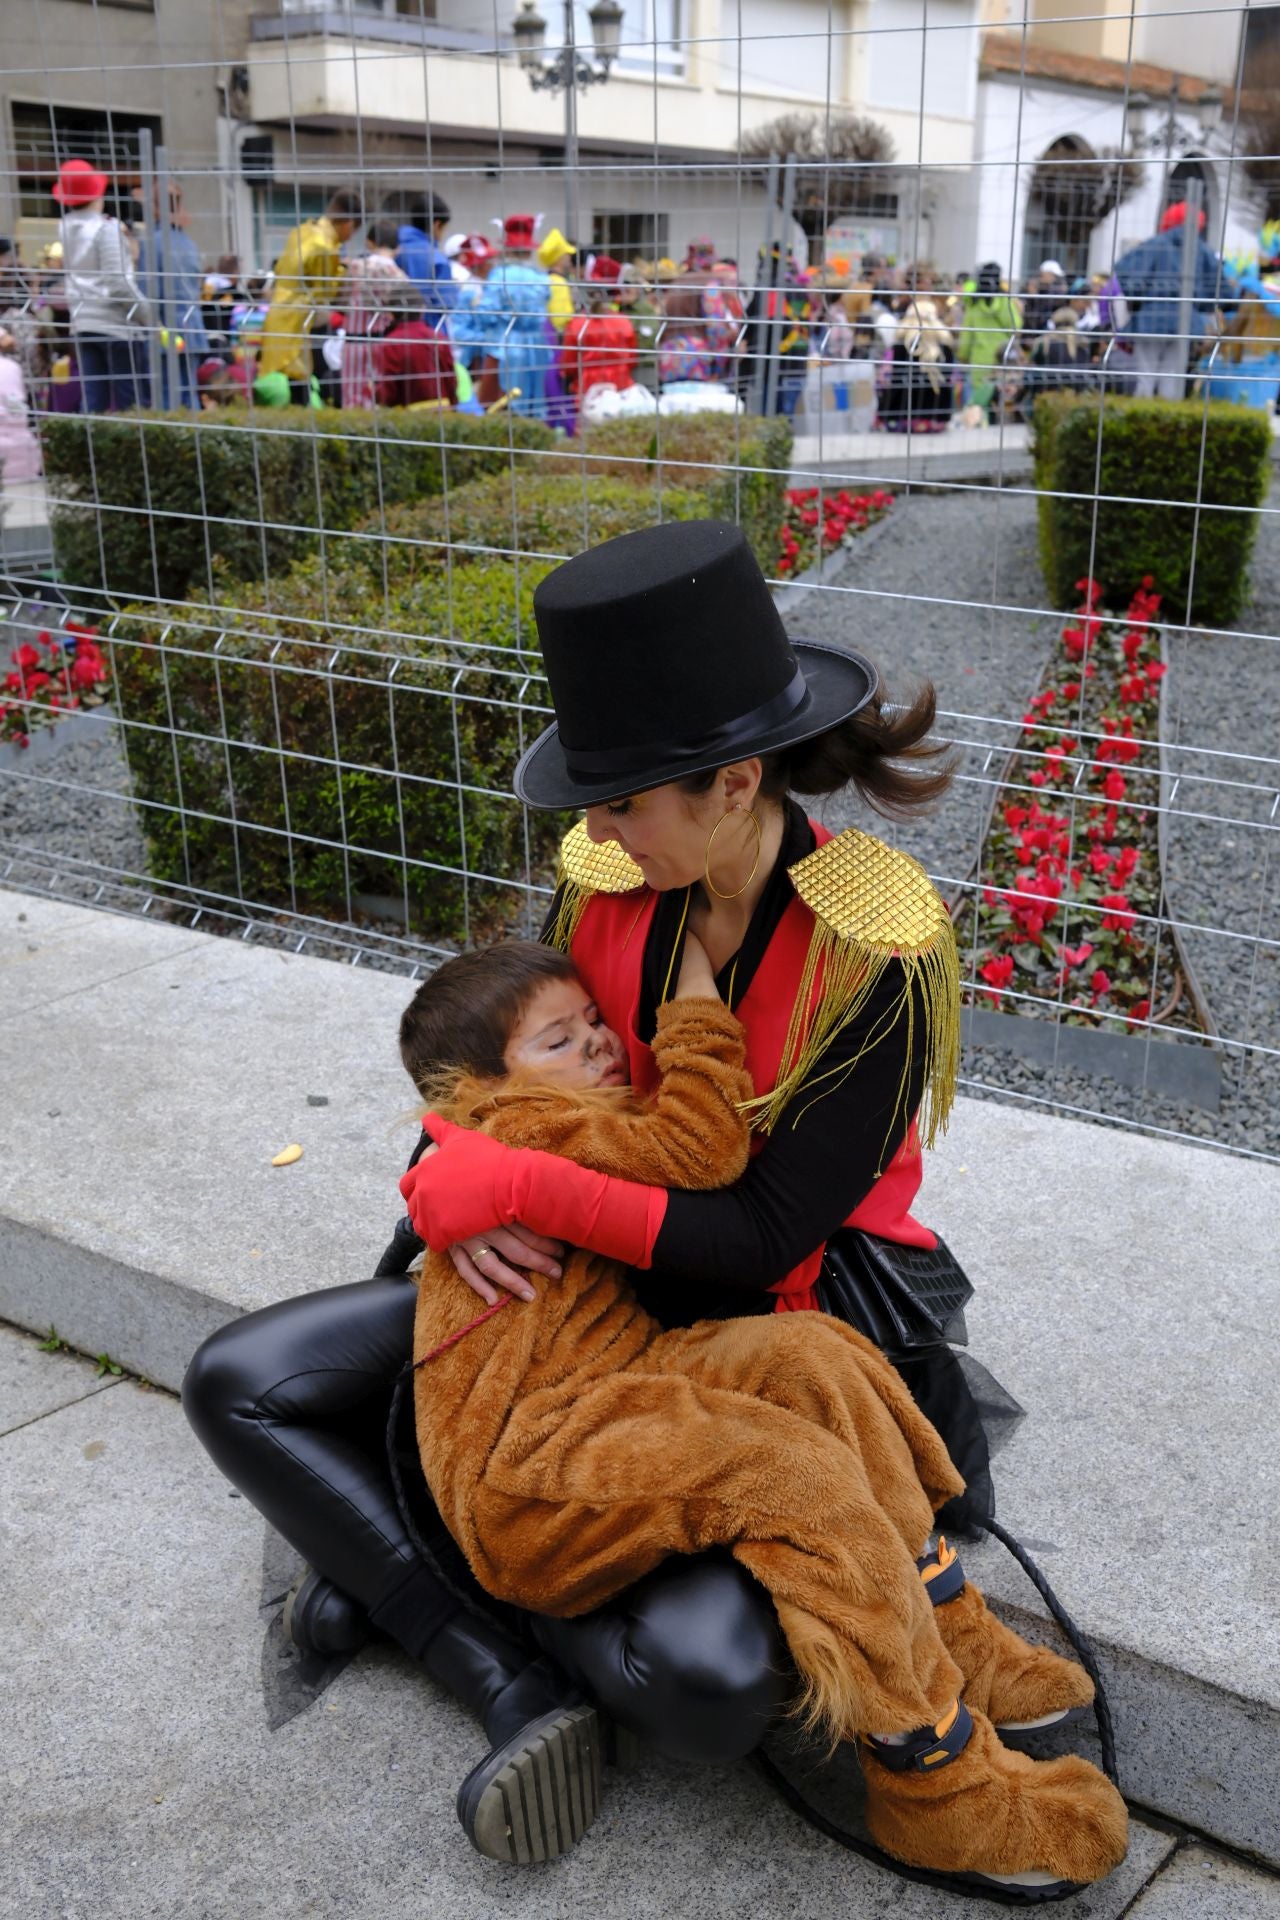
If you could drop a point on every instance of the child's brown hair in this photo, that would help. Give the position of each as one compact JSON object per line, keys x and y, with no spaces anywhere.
{"x":463,"y":1015}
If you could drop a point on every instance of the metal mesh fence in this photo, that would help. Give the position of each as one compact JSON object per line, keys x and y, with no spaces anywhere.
{"x":352,"y":320}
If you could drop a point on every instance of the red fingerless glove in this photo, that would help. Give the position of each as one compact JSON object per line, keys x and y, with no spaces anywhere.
{"x":474,"y":1184}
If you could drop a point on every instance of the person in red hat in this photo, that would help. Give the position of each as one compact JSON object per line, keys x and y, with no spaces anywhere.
{"x":468,"y":328}
{"x":109,"y":313}
{"x":599,"y":345}
{"x":513,"y":310}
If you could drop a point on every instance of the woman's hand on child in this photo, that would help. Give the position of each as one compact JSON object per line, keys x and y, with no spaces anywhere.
{"x":697,"y":981}
{"x":501,"y":1256}
{"x":498,"y":1261}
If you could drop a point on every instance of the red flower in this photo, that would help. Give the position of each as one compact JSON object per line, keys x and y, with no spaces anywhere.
{"x":1156,"y":670}
{"x":1115,"y":785}
{"x":1140,"y":1010}
{"x":1076,"y":956}
{"x":1100,"y":984}
{"x":1126,"y":861}
{"x":1037,"y":778}
{"x":1117,"y":913}
{"x":1014,"y":817}
{"x":1099,"y":859}
{"x":997,"y":972}
{"x":25,"y":657}
{"x":88,"y":668}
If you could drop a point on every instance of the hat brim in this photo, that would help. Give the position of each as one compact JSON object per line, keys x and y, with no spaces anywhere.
{"x":839,"y":684}
{"x":80,"y":192}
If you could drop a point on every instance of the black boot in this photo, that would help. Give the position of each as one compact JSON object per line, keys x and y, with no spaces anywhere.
{"x":537,"y":1791}
{"x":321,"y":1618}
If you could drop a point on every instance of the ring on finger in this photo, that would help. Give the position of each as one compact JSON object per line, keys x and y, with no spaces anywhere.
{"x":479,"y":1250}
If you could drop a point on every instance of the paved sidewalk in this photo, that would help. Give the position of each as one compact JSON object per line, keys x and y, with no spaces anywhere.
{"x":164,"y":1757}
{"x":1125,"y":1293}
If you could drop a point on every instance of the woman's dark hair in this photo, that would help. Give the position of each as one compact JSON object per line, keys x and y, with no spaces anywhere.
{"x":883,"y":750}
{"x":463,"y":1016}
{"x":345,"y":204}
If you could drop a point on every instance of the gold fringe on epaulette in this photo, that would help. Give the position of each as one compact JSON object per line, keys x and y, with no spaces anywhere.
{"x":570,"y":903}
{"x":846,"y":973}
{"x":585,"y":869}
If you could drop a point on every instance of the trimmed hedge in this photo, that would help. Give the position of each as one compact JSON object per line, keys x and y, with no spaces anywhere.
{"x":739,"y":464}
{"x":259,"y":801}
{"x":1151,"y":455}
{"x":541,"y":511}
{"x":237,"y":757}
{"x":268,"y":482}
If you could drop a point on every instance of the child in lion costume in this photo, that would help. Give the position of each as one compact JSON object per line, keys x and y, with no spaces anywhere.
{"x":570,"y":1443}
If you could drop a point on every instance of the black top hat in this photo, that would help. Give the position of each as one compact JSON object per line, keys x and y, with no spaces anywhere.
{"x":667,"y":657}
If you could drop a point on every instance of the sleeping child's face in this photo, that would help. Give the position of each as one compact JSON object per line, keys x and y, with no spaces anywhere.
{"x":560,"y":1036}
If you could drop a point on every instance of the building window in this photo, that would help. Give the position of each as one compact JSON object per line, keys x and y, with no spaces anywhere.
{"x":629,"y":236}
{"x":650,"y":34}
{"x":1061,"y":209}
{"x":44,"y":136}
{"x":279,"y":209}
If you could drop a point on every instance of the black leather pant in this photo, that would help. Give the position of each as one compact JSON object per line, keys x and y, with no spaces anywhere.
{"x":292,"y":1403}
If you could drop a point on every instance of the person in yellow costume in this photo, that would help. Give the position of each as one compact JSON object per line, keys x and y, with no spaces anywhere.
{"x":308,"y":281}
{"x":553,"y":252}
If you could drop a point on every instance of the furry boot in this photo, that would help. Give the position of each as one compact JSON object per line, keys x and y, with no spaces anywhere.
{"x":955,"y":1801}
{"x":1017,"y":1685}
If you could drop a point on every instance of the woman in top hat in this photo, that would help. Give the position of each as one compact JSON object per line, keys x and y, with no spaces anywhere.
{"x":685,"y":717}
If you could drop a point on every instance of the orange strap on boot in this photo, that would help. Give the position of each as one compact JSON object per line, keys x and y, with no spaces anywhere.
{"x":928,"y":1748}
{"x":941,"y":1572}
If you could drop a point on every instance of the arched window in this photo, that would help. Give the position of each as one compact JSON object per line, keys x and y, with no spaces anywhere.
{"x":1061,"y":208}
{"x":1192,"y":166}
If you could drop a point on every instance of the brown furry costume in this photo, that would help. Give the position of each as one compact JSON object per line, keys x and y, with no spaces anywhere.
{"x":571,"y":1444}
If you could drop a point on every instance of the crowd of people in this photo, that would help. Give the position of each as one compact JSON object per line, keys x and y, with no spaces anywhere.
{"x":397,"y":308}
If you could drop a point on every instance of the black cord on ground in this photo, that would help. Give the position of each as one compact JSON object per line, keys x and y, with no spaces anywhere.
{"x":1088,"y":1659}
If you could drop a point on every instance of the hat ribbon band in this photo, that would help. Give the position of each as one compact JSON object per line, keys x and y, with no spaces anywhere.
{"x":728,"y":738}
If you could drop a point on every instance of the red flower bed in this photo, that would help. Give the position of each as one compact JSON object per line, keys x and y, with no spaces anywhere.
{"x":1071,"y":870}
{"x":52,"y":676}
{"x":818,"y":522}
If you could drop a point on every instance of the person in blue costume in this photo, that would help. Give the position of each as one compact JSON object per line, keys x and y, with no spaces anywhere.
{"x":421,"y":256}
{"x":469,"y":329}
{"x":513,"y":310}
{"x":1151,"y":277}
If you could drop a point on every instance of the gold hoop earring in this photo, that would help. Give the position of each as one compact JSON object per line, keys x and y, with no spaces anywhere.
{"x":706,"y":864}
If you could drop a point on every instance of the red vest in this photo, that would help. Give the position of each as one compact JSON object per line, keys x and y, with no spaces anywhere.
{"x":608,"y":950}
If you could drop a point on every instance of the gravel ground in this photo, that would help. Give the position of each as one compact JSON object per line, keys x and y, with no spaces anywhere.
{"x":921,"y":595}
{"x":967,"y":553}
{"x":975,"y":548}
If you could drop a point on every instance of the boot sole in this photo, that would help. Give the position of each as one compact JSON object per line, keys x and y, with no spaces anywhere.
{"x":1063,"y":1717}
{"x":534,"y":1798}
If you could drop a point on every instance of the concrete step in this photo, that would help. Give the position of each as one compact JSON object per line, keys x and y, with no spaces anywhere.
{"x":1125,"y":1291}
{"x":147,"y":1696}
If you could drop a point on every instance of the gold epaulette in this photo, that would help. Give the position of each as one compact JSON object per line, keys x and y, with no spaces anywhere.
{"x":586,"y":868}
{"x":872,"y":904}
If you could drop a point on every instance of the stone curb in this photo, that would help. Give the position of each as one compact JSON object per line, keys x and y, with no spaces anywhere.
{"x":139,"y":1211}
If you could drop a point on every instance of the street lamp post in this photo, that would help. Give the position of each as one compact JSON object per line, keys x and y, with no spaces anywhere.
{"x":567,"y":71}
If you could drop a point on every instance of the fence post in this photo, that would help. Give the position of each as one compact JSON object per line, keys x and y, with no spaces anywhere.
{"x":147,"y":172}
{"x":1187,"y":279}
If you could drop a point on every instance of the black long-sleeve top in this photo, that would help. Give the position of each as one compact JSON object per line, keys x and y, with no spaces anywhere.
{"x":718,"y":1253}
